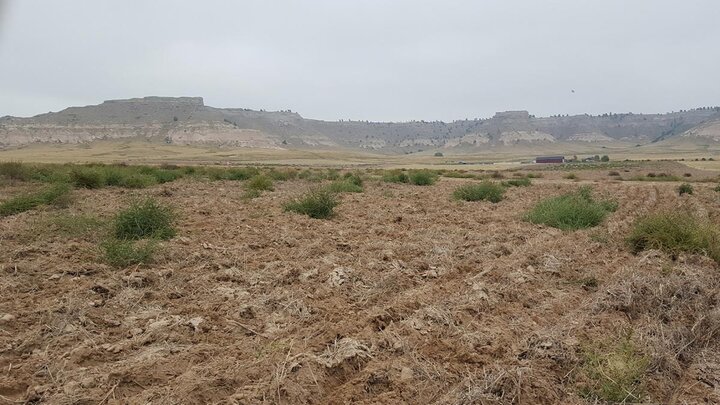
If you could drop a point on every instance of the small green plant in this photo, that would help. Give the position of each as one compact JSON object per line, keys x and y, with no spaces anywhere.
{"x":486,"y":190}
{"x":522,"y":182}
{"x":344,"y":186}
{"x":422,"y":177}
{"x":317,"y":203}
{"x":717,"y":188}
{"x":534,"y":175}
{"x":685,"y":188}
{"x":674,"y":233}
{"x":395,"y":176}
{"x":146,"y":219}
{"x":88,"y":177}
{"x":571,"y":176}
{"x":614,"y":371}
{"x":459,"y":174}
{"x":260,"y":182}
{"x":571,"y":211}
{"x":124,"y":253}
{"x":281,"y":175}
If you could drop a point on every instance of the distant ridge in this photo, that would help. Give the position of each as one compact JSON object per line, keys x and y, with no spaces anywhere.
{"x":188,"y":121}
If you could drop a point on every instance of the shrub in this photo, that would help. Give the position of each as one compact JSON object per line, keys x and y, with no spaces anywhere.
{"x":137,"y":180}
{"x":88,"y":177}
{"x":146,"y":219}
{"x":687,"y":174}
{"x":497,"y":175}
{"x":422,"y":177}
{"x":438,"y":154}
{"x":57,"y":195}
{"x":344,"y":186}
{"x":260,"y":183}
{"x":459,"y":175}
{"x":315,"y":204}
{"x":605,"y":158}
{"x":717,"y":188}
{"x":114,"y":176}
{"x":124,"y":253}
{"x":674,"y":233}
{"x":523,"y":182}
{"x":332,"y":174}
{"x":614,"y":372}
{"x":534,"y":175}
{"x":571,"y":176}
{"x":484,"y":191}
{"x":685,"y":188}
{"x":613,"y":173}
{"x":395,"y":176}
{"x":571,"y":211}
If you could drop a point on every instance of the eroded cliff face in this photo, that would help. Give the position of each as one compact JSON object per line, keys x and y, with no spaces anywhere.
{"x":188,"y":121}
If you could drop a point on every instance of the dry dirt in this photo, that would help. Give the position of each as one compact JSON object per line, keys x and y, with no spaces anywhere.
{"x":406,"y":296}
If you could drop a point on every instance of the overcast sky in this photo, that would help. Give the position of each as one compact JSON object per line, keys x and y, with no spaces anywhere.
{"x":364,"y":59}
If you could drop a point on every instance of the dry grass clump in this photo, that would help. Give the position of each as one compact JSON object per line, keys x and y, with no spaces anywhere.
{"x":614,"y":372}
{"x":577,"y":210}
{"x":318,"y":203}
{"x":675,"y":233}
{"x":486,"y":190}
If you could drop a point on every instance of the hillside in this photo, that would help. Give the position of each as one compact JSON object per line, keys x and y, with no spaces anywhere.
{"x":188,"y":121}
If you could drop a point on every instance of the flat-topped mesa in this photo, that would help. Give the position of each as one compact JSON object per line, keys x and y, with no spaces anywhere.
{"x":197,"y":101}
{"x":512,"y":115}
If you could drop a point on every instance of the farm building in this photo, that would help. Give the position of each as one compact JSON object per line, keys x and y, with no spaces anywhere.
{"x":550,"y":159}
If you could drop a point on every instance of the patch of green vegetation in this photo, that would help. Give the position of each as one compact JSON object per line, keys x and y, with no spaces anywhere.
{"x":571,"y":176}
{"x":56,"y":195}
{"x":685,"y":188}
{"x":486,"y":190}
{"x":353,"y":178}
{"x":241,"y":173}
{"x":422,"y":177}
{"x":614,"y":372}
{"x":88,"y":177}
{"x":656,"y":177}
{"x":674,"y":233}
{"x":260,"y":182}
{"x":317,"y":203}
{"x":395,"y":176}
{"x":717,"y":189}
{"x":523,"y":182}
{"x":124,"y":253}
{"x":146,"y":219}
{"x":14,"y":170}
{"x":534,"y":175}
{"x":576,"y":210}
{"x":281,"y":175}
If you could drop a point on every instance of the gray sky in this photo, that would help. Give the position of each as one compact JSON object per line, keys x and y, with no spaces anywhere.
{"x":364,"y":59}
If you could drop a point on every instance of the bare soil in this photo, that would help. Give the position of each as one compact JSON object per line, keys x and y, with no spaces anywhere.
{"x":405,"y":296}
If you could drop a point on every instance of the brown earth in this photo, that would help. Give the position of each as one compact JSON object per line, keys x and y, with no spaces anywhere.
{"x":405,"y":296}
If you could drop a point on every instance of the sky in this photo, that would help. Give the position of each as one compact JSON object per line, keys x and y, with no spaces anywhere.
{"x":390,"y":60}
